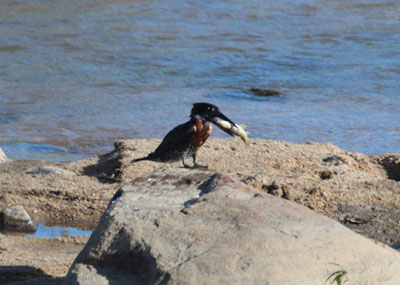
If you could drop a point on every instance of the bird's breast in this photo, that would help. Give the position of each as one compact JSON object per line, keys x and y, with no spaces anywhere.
{"x":203,"y":131}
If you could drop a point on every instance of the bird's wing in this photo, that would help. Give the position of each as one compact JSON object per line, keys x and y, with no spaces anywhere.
{"x":176,"y":140}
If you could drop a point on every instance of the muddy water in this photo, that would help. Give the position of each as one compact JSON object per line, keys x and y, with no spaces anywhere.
{"x":77,"y":75}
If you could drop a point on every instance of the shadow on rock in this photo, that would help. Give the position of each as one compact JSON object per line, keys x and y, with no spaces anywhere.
{"x":391,"y":163}
{"x":27,"y":274}
{"x":135,"y":265}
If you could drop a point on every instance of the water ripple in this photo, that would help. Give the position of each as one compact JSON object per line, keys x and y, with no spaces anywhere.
{"x":77,"y":76}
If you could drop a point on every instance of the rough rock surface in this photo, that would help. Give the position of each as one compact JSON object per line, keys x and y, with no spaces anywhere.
{"x":17,"y":219}
{"x":185,"y":226}
{"x":361,"y":191}
{"x":3,"y":157}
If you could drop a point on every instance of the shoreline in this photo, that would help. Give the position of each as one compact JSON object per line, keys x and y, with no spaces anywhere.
{"x":56,"y":196}
{"x":360,"y":191}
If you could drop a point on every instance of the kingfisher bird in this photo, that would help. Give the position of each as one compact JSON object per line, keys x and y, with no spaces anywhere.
{"x":184,"y":140}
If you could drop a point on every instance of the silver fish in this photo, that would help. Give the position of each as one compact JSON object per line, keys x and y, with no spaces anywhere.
{"x":233,"y":130}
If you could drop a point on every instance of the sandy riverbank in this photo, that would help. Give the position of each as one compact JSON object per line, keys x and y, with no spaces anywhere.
{"x":361,"y":191}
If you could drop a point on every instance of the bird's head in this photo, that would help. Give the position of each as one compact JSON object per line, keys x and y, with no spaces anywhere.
{"x":208,"y":112}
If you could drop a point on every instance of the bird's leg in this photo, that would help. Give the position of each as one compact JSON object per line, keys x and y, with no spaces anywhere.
{"x":184,"y":162}
{"x":195,"y":164}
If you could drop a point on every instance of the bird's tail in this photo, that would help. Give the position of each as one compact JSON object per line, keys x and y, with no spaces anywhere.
{"x":140,"y":159}
{"x":148,"y":157}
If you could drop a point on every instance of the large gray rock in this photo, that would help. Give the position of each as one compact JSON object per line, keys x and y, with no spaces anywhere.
{"x":195,"y":226}
{"x":17,"y":219}
{"x":3,"y":157}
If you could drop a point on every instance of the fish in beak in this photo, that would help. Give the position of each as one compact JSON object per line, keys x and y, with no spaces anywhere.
{"x":225,"y":124}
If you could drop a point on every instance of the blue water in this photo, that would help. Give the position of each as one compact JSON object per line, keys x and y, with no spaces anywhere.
{"x":43,"y":231}
{"x":77,"y":75}
{"x":53,"y":232}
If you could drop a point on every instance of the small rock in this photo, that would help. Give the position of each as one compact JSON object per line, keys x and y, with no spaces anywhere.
{"x":263,"y":178}
{"x":3,"y":157}
{"x":16,"y":218}
{"x":325,"y":174}
{"x":264,"y":92}
{"x":273,"y":189}
{"x":334,"y":160}
{"x":352,"y":220}
{"x":395,"y":245}
{"x":52,"y":170}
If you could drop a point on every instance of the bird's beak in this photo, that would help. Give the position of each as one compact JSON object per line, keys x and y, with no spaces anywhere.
{"x":224,"y":118}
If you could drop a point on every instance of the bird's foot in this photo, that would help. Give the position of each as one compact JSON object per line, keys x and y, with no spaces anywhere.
{"x":199,"y":166}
